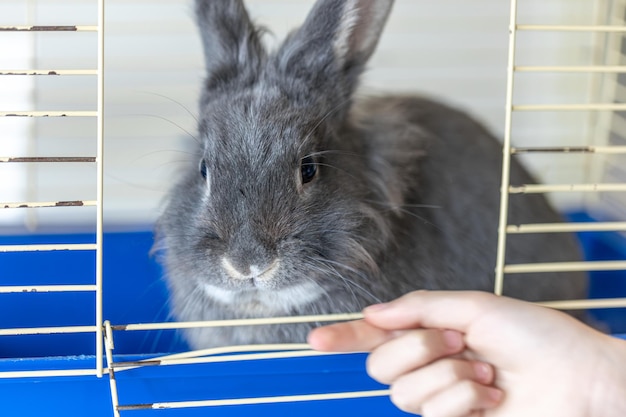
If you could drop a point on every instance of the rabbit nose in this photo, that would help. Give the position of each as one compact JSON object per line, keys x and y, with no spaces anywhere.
{"x":243,"y":271}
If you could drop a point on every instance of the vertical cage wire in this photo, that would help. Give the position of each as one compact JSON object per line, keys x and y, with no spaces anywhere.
{"x":505,"y":229}
{"x":506,"y":153}
{"x":100,"y":190}
{"x":96,"y":246}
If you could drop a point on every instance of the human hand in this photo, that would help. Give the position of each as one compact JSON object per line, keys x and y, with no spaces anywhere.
{"x":454,"y":354}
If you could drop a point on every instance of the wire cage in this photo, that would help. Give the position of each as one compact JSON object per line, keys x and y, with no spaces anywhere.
{"x":43,"y":252}
{"x":76,"y":334}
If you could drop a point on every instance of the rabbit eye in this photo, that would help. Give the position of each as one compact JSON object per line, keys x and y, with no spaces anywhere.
{"x":308,"y":169}
{"x":203,"y":170}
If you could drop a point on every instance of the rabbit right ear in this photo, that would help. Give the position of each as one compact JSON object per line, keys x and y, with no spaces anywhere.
{"x":329,"y":52}
{"x":232,"y":48}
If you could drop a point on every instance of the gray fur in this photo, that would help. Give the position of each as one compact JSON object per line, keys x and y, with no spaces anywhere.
{"x":405,"y":197}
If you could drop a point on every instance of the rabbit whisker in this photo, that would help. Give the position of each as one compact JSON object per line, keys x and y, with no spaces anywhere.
{"x":337,"y":168}
{"x":328,"y":269}
{"x":393,"y":206}
{"x":337,"y":152}
{"x":332,"y":267}
{"x":331,"y":301}
{"x":198,"y":141}
{"x":388,"y":207}
{"x":332,"y":111}
{"x":189,"y":112}
{"x":194,"y":154}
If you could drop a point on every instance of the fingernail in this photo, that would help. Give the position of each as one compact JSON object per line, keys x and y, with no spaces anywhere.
{"x":483,"y":372}
{"x":495,"y":395}
{"x":453,"y":339}
{"x":321,"y":338}
{"x":376,"y":307}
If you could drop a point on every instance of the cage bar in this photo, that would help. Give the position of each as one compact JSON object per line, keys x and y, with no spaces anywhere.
{"x":572,"y":28}
{"x":40,"y":159}
{"x":566,"y":227}
{"x":35,"y":113}
{"x":552,"y":188}
{"x":48,"y":72}
{"x":109,"y":345}
{"x":565,"y":267}
{"x":506,"y":154}
{"x":571,"y":107}
{"x":257,"y":400}
{"x":565,"y":68}
{"x":48,"y":247}
{"x":47,"y":374}
{"x":286,"y":354}
{"x":571,"y":149}
{"x":40,"y":204}
{"x":240,"y":322}
{"x":50,"y":28}
{"x":46,"y":288}
{"x":100,"y":189}
{"x":47,"y":330}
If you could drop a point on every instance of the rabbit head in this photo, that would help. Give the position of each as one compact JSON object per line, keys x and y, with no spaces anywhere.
{"x":274,"y":215}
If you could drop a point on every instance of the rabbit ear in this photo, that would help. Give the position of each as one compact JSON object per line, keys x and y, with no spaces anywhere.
{"x":232,"y":48}
{"x":336,"y":40}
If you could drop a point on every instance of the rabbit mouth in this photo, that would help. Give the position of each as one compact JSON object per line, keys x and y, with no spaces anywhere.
{"x":278,"y":300}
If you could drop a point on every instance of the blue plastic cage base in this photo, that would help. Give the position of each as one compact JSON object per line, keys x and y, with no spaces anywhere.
{"x":134,"y":292}
{"x":74,"y":396}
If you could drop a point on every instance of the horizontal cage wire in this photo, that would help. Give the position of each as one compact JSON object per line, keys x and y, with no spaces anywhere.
{"x":105,"y":332}
{"x":509,"y":150}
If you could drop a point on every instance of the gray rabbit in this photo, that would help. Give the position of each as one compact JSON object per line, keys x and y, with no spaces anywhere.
{"x":305,"y":201}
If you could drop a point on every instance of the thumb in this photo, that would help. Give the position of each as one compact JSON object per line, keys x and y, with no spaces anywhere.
{"x":455,"y":310}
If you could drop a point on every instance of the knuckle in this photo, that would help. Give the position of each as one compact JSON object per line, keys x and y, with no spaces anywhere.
{"x":455,"y":368}
{"x":404,"y":400}
{"x":422,"y":342}
{"x":413,"y":339}
{"x":473,"y":391}
{"x":375,"y":370}
{"x":431,"y":409}
{"x":482,"y":298}
{"x":414,"y":295}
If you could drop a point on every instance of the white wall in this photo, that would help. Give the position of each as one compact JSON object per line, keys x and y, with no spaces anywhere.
{"x":452,"y":49}
{"x":15,"y":52}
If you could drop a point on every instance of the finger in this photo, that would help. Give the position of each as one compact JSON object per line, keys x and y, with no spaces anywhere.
{"x":353,"y":336}
{"x":410,"y":351}
{"x":415,"y":388}
{"x":461,"y":399}
{"x":432,"y":309}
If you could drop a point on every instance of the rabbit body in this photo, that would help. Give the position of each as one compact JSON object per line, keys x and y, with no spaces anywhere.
{"x":305,"y":201}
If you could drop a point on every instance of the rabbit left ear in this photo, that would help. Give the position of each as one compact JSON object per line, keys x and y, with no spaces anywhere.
{"x":232,"y":48}
{"x":336,"y":40}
